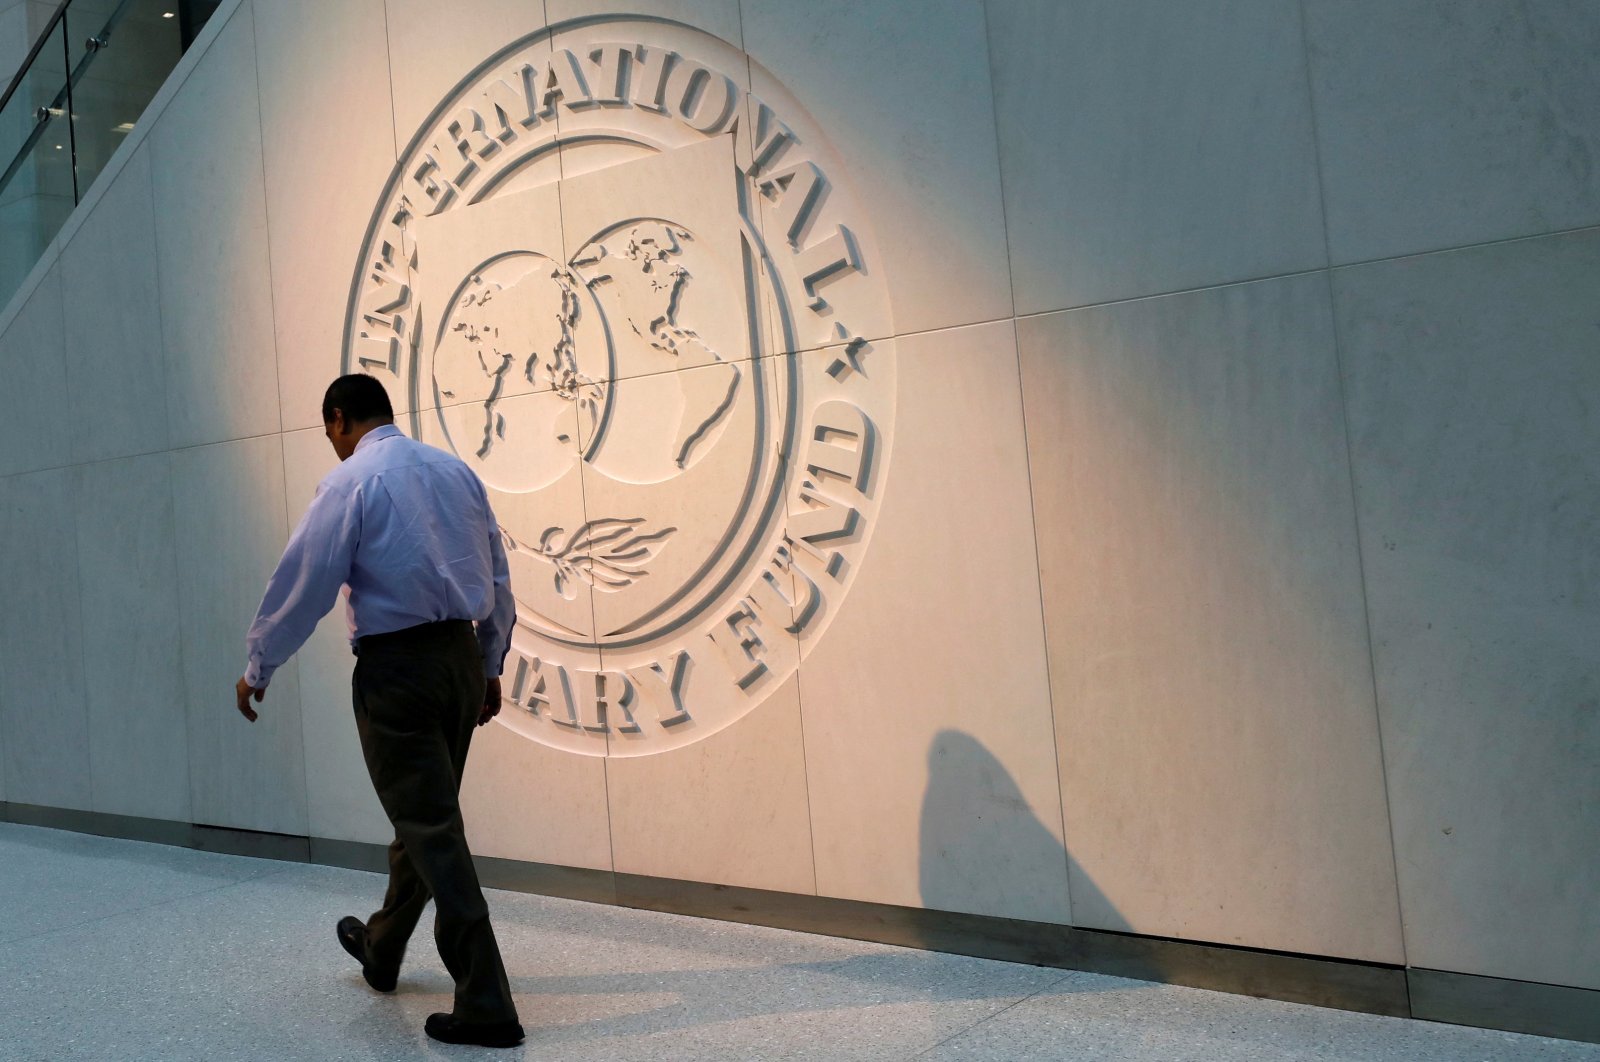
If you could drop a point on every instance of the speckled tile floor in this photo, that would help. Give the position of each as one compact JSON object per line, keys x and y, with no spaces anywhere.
{"x":119,"y":950}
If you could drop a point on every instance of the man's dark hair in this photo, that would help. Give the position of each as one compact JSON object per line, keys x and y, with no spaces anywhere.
{"x":361,"y":397}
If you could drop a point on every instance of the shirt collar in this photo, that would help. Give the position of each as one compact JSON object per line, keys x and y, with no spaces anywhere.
{"x":383,"y":431}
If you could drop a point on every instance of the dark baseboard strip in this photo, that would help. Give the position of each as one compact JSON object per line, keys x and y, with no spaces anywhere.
{"x":101,"y":824}
{"x":351,"y":855}
{"x":1514,"y":1006}
{"x":1363,"y":987}
{"x":513,"y":875}
{"x":229,"y":841}
{"x":548,"y":879}
{"x":1462,"y":999}
{"x":225,"y":840}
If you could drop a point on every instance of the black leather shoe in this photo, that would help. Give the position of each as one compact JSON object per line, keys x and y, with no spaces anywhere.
{"x":448,"y":1029}
{"x":353,"y":936}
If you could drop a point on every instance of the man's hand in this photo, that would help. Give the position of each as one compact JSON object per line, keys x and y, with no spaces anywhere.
{"x":244,"y":691}
{"x":491,"y":702}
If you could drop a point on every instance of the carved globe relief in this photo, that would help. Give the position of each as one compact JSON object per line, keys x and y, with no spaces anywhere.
{"x":632,"y":295}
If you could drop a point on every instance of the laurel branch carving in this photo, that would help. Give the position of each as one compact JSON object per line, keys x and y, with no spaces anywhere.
{"x":608,"y":555}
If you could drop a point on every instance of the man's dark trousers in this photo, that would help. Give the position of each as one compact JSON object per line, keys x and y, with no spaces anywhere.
{"x":417,"y":696}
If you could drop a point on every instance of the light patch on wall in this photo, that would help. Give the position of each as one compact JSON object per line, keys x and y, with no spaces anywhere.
{"x":680,"y":495}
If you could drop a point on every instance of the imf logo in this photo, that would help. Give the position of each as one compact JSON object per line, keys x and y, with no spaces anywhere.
{"x":619,"y":273}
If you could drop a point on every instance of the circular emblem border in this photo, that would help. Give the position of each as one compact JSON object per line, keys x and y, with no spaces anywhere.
{"x":818,"y":299}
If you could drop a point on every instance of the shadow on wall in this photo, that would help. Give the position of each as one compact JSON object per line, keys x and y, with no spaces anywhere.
{"x":983,"y":850}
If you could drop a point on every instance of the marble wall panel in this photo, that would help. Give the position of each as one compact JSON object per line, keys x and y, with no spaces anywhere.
{"x":1150,"y":147}
{"x":708,"y":37}
{"x":340,"y":801}
{"x":229,"y":502}
{"x":1472,"y":378}
{"x":730,"y":809}
{"x":1444,"y":124}
{"x":327,"y":131}
{"x":25,"y":241}
{"x":525,"y":164}
{"x":132,"y":665}
{"x":465,"y":341}
{"x":44,"y":718}
{"x":902,"y":94}
{"x":654,"y":328}
{"x":719,"y":17}
{"x":433,"y":46}
{"x":116,"y":377}
{"x":16,"y":35}
{"x":632,"y":475}
{"x":524,"y":800}
{"x":33,"y":364}
{"x":929,"y":739}
{"x":1209,"y":664}
{"x":211,"y":248}
{"x":535,"y":487}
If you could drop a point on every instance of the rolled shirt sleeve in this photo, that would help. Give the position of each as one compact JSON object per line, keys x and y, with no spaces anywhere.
{"x":494,"y":631}
{"x":315,"y":564}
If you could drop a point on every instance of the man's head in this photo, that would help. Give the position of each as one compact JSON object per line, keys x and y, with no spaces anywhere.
{"x":353,"y":406}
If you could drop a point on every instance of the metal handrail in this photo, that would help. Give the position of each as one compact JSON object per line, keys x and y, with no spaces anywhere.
{"x":51,"y":110}
{"x":191,"y":14}
{"x":33,"y":53}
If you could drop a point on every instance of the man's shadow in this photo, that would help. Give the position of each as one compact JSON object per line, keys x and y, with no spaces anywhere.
{"x":983,"y":850}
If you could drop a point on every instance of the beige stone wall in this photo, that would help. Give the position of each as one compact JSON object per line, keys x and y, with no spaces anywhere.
{"x":1226,"y":570}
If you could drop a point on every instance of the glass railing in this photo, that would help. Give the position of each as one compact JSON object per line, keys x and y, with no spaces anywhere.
{"x":78,"y":91}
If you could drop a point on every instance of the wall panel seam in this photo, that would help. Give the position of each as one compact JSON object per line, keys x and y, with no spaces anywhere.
{"x":1044,"y":623}
{"x":583,"y":490}
{"x":760,"y":367}
{"x":266,"y":219}
{"x":277,"y":368}
{"x":999,"y":157}
{"x":1480,"y":244}
{"x":1355,"y":497}
{"x":74,"y":488}
{"x":388,"y":64}
{"x":72,"y":476}
{"x":177,"y":633}
{"x":1268,"y":278}
{"x":149,"y":147}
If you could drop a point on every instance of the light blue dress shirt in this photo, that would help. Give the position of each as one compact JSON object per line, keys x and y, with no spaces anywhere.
{"x":409,"y":530}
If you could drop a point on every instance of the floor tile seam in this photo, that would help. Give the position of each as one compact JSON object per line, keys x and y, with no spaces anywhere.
{"x":146,"y":907}
{"x":986,"y":1019}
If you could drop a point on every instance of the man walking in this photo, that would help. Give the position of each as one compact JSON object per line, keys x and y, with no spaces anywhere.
{"x":409,"y":530}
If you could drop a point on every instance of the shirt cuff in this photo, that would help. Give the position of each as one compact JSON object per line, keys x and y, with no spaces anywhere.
{"x":256,"y":676}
